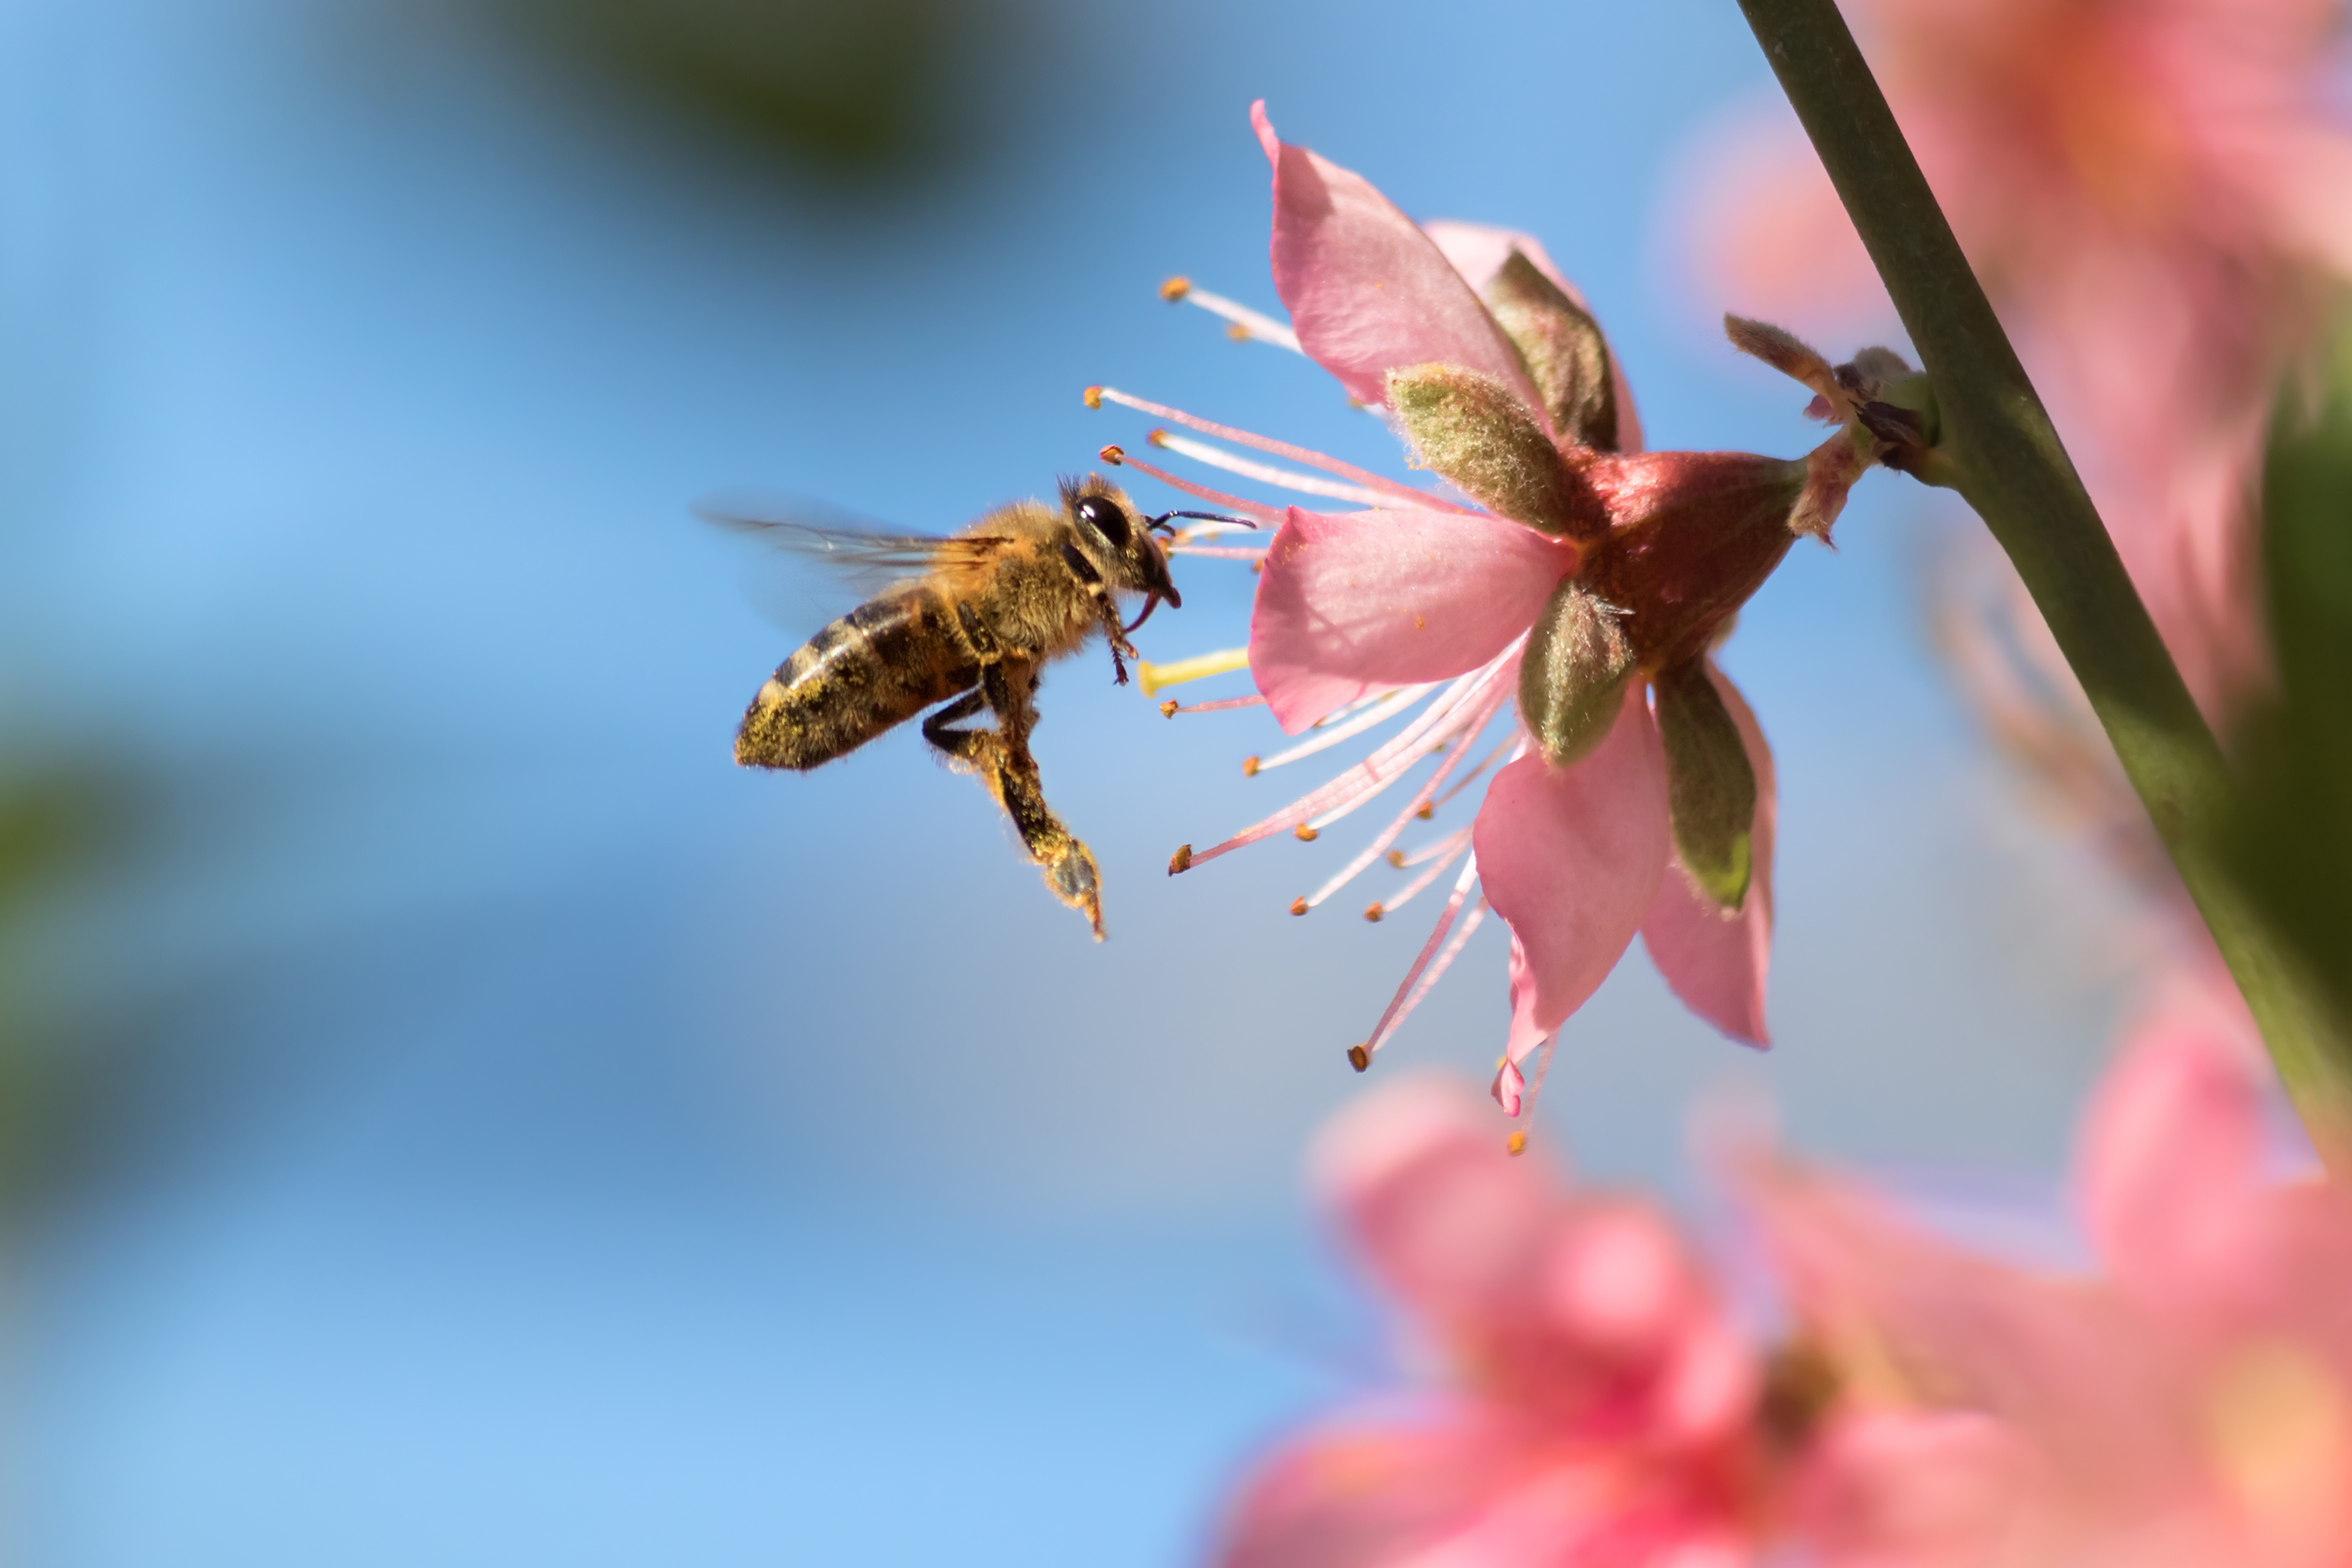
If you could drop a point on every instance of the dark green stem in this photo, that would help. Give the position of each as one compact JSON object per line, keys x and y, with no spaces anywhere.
{"x":2012,"y":467}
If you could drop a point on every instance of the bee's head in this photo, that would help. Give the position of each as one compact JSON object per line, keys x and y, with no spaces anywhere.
{"x":1119,"y":538}
{"x":1123,"y":542}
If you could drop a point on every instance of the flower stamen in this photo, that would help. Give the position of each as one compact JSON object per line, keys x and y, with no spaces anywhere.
{"x":1272,"y":516}
{"x":1265,"y":473}
{"x":1379,"y":711}
{"x":1406,"y":996}
{"x":1465,"y":738}
{"x":1251,"y":324}
{"x":1095,"y":395}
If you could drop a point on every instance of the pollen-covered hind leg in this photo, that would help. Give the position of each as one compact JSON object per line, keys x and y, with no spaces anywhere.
{"x":1001,"y":757}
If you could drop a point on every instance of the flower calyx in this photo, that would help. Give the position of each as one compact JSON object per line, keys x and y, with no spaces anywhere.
{"x":1564,"y":350}
{"x":1710,"y":784}
{"x":1472,"y":429}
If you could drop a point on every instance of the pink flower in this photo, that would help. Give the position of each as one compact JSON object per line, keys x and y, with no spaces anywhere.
{"x":2189,"y":1404}
{"x":1575,"y":608}
{"x":1601,"y":1407}
{"x":2158,"y":197}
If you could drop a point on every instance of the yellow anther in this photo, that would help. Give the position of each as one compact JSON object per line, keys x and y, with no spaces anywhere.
{"x":1168,"y":708}
{"x":1158,"y":437}
{"x":1517,"y":1143}
{"x":1257,"y":567}
{"x":1304,"y":834}
{"x":1182,"y":860}
{"x":1373,"y":911}
{"x":1299,"y":906}
{"x":1427,"y":810}
{"x":1249,"y":767}
{"x":1396,"y":858}
{"x":1358,"y":1057}
{"x":1093,"y":394}
{"x":1114,"y":456}
{"x":1176,"y":672}
{"x":1238,"y":332}
{"x":1175,"y":289}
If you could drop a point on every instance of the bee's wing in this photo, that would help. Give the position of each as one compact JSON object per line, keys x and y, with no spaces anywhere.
{"x":845,"y":540}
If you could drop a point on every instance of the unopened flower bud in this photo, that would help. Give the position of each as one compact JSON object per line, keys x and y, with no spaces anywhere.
{"x":1573,"y":678}
{"x":1710,"y":784}
{"x":1566,"y":355}
{"x":1475,"y":431}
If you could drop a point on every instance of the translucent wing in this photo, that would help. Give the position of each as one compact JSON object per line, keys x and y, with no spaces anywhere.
{"x":815,"y":531}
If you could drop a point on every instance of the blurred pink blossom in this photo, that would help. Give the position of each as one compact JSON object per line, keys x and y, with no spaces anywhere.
{"x":1600,"y":1406}
{"x":2158,"y":197}
{"x":2189,"y":1404}
{"x":2184,"y":1401}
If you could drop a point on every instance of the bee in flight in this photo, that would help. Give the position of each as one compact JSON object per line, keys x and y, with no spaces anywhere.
{"x":977,"y":617}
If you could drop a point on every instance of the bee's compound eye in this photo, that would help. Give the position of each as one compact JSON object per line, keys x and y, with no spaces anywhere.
{"x":1104,"y":516}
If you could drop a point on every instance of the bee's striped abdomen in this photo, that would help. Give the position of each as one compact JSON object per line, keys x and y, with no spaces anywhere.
{"x":876,"y":667}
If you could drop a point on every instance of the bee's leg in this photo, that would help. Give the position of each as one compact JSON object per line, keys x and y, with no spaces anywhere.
{"x":1010,"y":774}
{"x":963,"y":745}
{"x":1106,"y":605}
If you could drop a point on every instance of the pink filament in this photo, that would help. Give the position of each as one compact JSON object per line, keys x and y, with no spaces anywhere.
{"x":1253,"y":699}
{"x":1482,"y":715}
{"x":1420,"y":499}
{"x":1366,"y":778}
{"x":1389,"y":1019}
{"x":1272,"y":516}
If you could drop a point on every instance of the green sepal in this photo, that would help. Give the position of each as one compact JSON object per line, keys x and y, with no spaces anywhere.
{"x":1475,"y":430}
{"x":1710,"y":784}
{"x":1562,"y":346}
{"x":1573,"y":678}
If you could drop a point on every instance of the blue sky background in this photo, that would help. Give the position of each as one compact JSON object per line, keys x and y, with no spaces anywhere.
{"x":556,"y":1144}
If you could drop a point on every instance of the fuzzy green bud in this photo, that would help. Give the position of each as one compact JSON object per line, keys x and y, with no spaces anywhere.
{"x":1710,"y":784}
{"x":1475,"y":432}
{"x":1562,"y":346}
{"x":1573,"y":678}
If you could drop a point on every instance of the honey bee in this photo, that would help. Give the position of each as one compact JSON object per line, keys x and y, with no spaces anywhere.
{"x":981,"y":615}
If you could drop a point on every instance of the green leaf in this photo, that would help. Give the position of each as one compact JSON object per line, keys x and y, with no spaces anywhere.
{"x":1710,"y":784}
{"x":2291,"y":832}
{"x":1572,"y":678}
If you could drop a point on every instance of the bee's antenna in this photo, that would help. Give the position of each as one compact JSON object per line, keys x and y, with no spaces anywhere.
{"x":1161,"y":523}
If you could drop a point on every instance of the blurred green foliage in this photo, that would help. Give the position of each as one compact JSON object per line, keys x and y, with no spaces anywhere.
{"x":58,"y":821}
{"x":2292,"y":837}
{"x":858,"y":87}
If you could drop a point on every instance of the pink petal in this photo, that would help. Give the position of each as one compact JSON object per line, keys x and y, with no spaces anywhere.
{"x":1479,"y":251}
{"x":1365,"y":600}
{"x":2170,"y":1162}
{"x":1715,"y":963}
{"x":1904,"y":1488}
{"x":1367,"y":290}
{"x":1418,"y":1177}
{"x":1572,"y":858}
